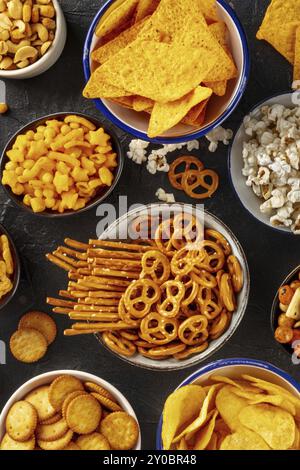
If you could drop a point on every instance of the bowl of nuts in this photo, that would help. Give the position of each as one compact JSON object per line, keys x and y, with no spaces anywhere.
{"x":32,"y":37}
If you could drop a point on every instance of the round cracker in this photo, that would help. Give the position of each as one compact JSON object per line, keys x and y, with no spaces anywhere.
{"x":8,"y":443}
{"x":21,"y":421}
{"x":41,"y":322}
{"x":28,"y":345}
{"x":92,"y":387}
{"x":58,"y":444}
{"x":61,"y":387}
{"x":40,"y":400}
{"x":52,"y":420}
{"x":94,"y":441}
{"x":52,"y":432}
{"x":72,"y":446}
{"x":121,"y":430}
{"x":106,"y":402}
{"x":68,"y":400}
{"x":83,"y":414}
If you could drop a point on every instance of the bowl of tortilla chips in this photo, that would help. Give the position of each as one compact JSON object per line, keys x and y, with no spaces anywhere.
{"x":232,"y":404}
{"x":166,"y":71}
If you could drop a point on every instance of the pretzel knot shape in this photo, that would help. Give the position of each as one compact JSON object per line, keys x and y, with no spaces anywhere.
{"x":193,"y":180}
{"x":125,"y":315}
{"x":120,"y":345}
{"x":144,"y":227}
{"x":219,"y":239}
{"x":163,"y":237}
{"x":220,"y":325}
{"x":140,"y":296}
{"x":159,"y":330}
{"x":172,"y":295}
{"x":205,"y":279}
{"x":187,"y":162}
{"x":191,"y":288}
{"x":227,"y":293}
{"x":187,"y":231}
{"x":210,"y":302}
{"x":155,"y":265}
{"x":236,"y":273}
{"x":183,"y":262}
{"x":212,"y":257}
{"x":194,"y":330}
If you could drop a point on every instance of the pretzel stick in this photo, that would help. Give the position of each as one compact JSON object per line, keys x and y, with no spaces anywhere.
{"x":92,"y":285}
{"x":79,"y":332}
{"x":105,"y":281}
{"x":78,"y":294}
{"x":58,"y":262}
{"x":71,"y":261}
{"x":101,"y":302}
{"x":74,"y":276}
{"x":94,"y":308}
{"x":66,"y":294}
{"x":103,"y":326}
{"x":100,"y":253}
{"x":75,"y":244}
{"x":84,"y":271}
{"x":74,"y":285}
{"x":62,"y":310}
{"x":116,"y":263}
{"x":104,"y":294}
{"x":71,"y":252}
{"x":60,"y":302}
{"x":120,"y":245}
{"x":95,"y":316}
{"x":110,"y":272}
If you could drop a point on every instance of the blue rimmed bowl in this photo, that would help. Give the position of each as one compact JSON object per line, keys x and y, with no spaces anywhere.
{"x":220,"y":108}
{"x":234,"y":368}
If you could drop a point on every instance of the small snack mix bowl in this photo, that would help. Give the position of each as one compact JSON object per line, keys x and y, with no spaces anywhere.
{"x":250,"y":373}
{"x":40,"y":50}
{"x":67,"y":163}
{"x":14,"y":260}
{"x":41,"y":381}
{"x":219,"y":108}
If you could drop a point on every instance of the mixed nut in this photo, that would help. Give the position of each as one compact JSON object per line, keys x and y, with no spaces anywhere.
{"x":27,"y":31}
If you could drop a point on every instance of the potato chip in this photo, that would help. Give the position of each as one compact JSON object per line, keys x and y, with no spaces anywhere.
{"x":276,"y":400}
{"x":274,"y":425}
{"x":297,"y":57}
{"x":244,"y":439}
{"x":165,"y":116}
{"x":181,"y":408}
{"x":182,"y":445}
{"x":116,"y":18}
{"x":212,"y":445}
{"x":279,"y":26}
{"x":205,"y":434}
{"x":145,"y":8}
{"x":229,"y":406}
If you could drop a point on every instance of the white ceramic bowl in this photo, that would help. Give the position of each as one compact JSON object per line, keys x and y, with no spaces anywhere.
{"x":51,"y":56}
{"x":250,"y":201}
{"x":48,"y":377}
{"x":210,"y":222}
{"x":219,"y":108}
{"x":234,"y":368}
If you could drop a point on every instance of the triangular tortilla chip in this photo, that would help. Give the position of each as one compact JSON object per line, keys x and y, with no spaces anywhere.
{"x":145,"y":8}
{"x":116,"y":18}
{"x":210,"y":10}
{"x":165,"y":116}
{"x":91,"y":90}
{"x":142,"y":104}
{"x":196,"y":115}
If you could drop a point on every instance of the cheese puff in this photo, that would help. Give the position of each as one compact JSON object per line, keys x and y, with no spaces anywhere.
{"x":28,"y":164}
{"x":65,"y":129}
{"x":88,"y":165}
{"x":43,"y":163}
{"x":69,"y":199}
{"x":80,"y":174}
{"x":81,"y":121}
{"x":37,"y":150}
{"x":38,"y":193}
{"x":18,"y":189}
{"x":47,"y":177}
{"x":61,"y":140}
{"x":10,"y":178}
{"x":103,"y":149}
{"x":38,"y":136}
{"x":49,"y":134}
{"x":80,"y":204}
{"x":74,"y":125}
{"x":37,"y":204}
{"x":11,"y":165}
{"x":61,"y":182}
{"x":111,"y":161}
{"x":19,"y":171}
{"x":63,"y":168}
{"x":22,"y":141}
{"x":106,"y":176}
{"x":49,"y":193}
{"x":96,"y":183}
{"x":50,"y":203}
{"x":15,"y":155}
{"x":27,"y":199}
{"x":98,"y":137}
{"x":98,"y":159}
{"x":84,"y":189}
{"x":30,"y":135}
{"x":74,"y":152}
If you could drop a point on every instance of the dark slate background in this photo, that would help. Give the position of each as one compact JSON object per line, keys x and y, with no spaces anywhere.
{"x":271,"y":255}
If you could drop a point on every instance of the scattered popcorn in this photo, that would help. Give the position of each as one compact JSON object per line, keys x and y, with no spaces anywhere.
{"x":165,"y":197}
{"x":272,"y":163}
{"x":218,"y":135}
{"x":137,"y":151}
{"x":157,"y":162}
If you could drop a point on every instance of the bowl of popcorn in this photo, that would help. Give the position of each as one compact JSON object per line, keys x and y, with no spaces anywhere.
{"x":9,"y":268}
{"x":61,"y":164}
{"x":32,"y":37}
{"x":264,"y":163}
{"x":68,"y":410}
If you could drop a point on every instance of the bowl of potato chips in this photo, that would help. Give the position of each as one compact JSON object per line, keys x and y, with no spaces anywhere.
{"x":233,"y":404}
{"x":68,"y":410}
{"x":9,"y":268}
{"x":62,"y":164}
{"x":166,"y":71}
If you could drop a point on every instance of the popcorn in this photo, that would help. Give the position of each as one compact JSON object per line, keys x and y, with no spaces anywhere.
{"x":157,"y":162}
{"x":218,"y":135}
{"x":165,"y":197}
{"x":137,"y":151}
{"x":272,"y":162}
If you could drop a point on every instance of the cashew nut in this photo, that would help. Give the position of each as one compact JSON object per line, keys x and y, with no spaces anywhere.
{"x":15,"y":9}
{"x":23,"y":64}
{"x":6,"y":63}
{"x":35,"y":14}
{"x":27,"y":52}
{"x":2,"y":6}
{"x":20,"y":25}
{"x":49,"y":23}
{"x":13,"y":48}
{"x":41,"y":30}
{"x":4,"y":35}
{"x":5,"y":22}
{"x":26,"y":12}
{"x":3,"y":48}
{"x":45,"y":47}
{"x":47,"y":11}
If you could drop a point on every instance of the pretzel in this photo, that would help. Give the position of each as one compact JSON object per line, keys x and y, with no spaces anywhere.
{"x":165,"y":351}
{"x":204,"y":278}
{"x":159,"y":330}
{"x":236,"y":273}
{"x":211,"y":257}
{"x":144,"y":226}
{"x":193,"y":331}
{"x":183,"y":262}
{"x":124,"y":314}
{"x":193,"y":179}
{"x":172,"y":295}
{"x":119,"y":245}
{"x":120,"y":345}
{"x":191,"y":288}
{"x":217,"y":237}
{"x":147,"y":353}
{"x":140,"y":296}
{"x":187,"y":231}
{"x":102,"y":317}
{"x":156,"y":265}
{"x":189,"y":162}
{"x":163,"y":237}
{"x":191,"y":351}
{"x":220,"y":325}
{"x":227,"y":293}
{"x":210,"y":303}
{"x":130,"y":336}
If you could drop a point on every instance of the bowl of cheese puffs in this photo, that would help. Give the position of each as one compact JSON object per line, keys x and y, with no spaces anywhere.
{"x":61,"y":164}
{"x":9,"y":268}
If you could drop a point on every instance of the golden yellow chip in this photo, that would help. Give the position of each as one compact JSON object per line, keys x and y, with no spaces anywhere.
{"x":244,"y":439}
{"x":229,"y":406}
{"x":142,"y":104}
{"x":204,"y":436}
{"x":258,"y":398}
{"x":145,"y":8}
{"x":116,"y":18}
{"x":297,"y":58}
{"x":101,"y":89}
{"x":209,"y":9}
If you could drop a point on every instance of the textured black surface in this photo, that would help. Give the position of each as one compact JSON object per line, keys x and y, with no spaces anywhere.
{"x":271,"y":255}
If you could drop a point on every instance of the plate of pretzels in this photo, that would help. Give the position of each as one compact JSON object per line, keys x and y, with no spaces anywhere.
{"x":163,"y":288}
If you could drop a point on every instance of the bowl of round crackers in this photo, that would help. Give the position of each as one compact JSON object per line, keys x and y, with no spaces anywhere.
{"x":68,"y":410}
{"x":9,"y":268}
{"x":232,"y":404}
{"x":166,"y":71}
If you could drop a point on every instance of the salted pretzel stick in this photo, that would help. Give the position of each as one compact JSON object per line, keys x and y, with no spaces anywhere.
{"x":110,"y":317}
{"x":84,"y":271}
{"x":101,"y":302}
{"x":94,"y":308}
{"x":120,"y":245}
{"x":100,"y":253}
{"x":78,"y":294}
{"x":62,"y":310}
{"x":60,"y":302}
{"x":74,"y":276}
{"x":58,"y":262}
{"x":66,"y":294}
{"x":108,"y":281}
{"x":74,"y":285}
{"x":78,"y":332}
{"x":112,"y":273}
{"x":75,"y":244}
{"x":69,"y":251}
{"x":93,"y":285}
{"x":104,"y":294}
{"x":103,"y":326}
{"x":116,"y":263}
{"x":71,"y":261}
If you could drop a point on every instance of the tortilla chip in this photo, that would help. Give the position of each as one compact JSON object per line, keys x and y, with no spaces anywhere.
{"x":104,"y":53}
{"x":142,"y":104}
{"x":297,"y":57}
{"x":244,"y":439}
{"x":165,"y":116}
{"x":196,"y":114}
{"x":125,"y":101}
{"x":279,"y":26}
{"x":210,"y":10}
{"x":116,"y":18}
{"x":91,"y":89}
{"x":145,"y":8}
{"x":220,"y":32}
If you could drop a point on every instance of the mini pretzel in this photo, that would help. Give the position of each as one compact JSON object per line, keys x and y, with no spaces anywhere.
{"x":205,"y":279}
{"x":140,"y":296}
{"x":191,"y":351}
{"x":210,"y":303}
{"x":144,"y":226}
{"x":220,"y":325}
{"x":236,"y":273}
{"x":188,"y":162}
{"x":156,"y":265}
{"x":193,"y":180}
{"x":217,"y":237}
{"x":147,"y":353}
{"x":187,"y":231}
{"x":124,"y":314}
{"x":159,"y":330}
{"x":163,"y":237}
{"x":193,"y":331}
{"x":192,"y":309}
{"x":212,"y":257}
{"x":191,"y":288}
{"x":120,"y":345}
{"x":227,"y":293}
{"x":165,"y":351}
{"x":183,"y":262}
{"x":172,"y":295}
